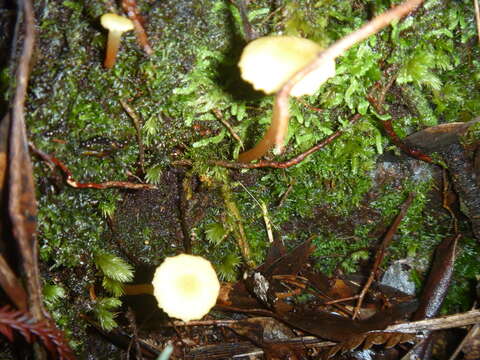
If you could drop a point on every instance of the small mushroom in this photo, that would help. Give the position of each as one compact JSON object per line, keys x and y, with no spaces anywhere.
{"x":268,"y":62}
{"x":116,"y":26}
{"x":186,"y":286}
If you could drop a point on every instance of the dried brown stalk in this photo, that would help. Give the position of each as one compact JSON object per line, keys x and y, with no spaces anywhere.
{"x":130,"y":7}
{"x":229,"y":127}
{"x":138,"y":128}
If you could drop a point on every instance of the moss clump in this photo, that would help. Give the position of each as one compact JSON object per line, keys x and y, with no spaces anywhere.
{"x":337,"y":196}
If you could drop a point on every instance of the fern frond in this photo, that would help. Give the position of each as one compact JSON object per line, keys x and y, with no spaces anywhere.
{"x":21,"y":322}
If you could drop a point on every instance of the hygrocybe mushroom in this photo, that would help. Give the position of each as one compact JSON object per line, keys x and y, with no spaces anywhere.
{"x":268,"y":62}
{"x":186,"y":286}
{"x":116,"y":26}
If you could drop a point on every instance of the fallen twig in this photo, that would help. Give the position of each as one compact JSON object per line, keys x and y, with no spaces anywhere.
{"x":130,"y":7}
{"x":288,"y":163}
{"x":250,"y":33}
{"x":229,"y":127}
{"x":381,"y":251}
{"x":239,"y":231}
{"x":441,"y":323}
{"x":467,"y":341}
{"x":388,"y":127}
{"x":89,"y":185}
{"x":138,"y":128}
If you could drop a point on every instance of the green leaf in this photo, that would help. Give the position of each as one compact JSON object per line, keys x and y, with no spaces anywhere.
{"x":363,"y":107}
{"x":53,"y":293}
{"x":215,"y":233}
{"x":104,"y":314}
{"x":211,"y":140}
{"x":114,"y":267}
{"x":114,"y":287}
{"x":417,"y":70}
{"x":349,"y":93}
{"x":379,"y":142}
{"x":153,"y":175}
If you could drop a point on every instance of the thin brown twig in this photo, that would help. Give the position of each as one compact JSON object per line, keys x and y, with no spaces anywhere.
{"x":250,"y":33}
{"x":387,"y":87}
{"x":229,"y":127}
{"x":331,"y":302}
{"x":130,"y":7}
{"x":308,"y":106}
{"x":284,"y":196}
{"x":280,"y":109}
{"x":138,"y":128}
{"x":441,"y":323}
{"x":381,"y":251}
{"x":390,"y":131}
{"x":445,"y":322}
{"x":288,"y":163}
{"x":472,"y":333}
{"x":88,"y":185}
{"x":446,"y":189}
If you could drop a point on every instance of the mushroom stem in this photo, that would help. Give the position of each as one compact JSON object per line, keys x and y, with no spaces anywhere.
{"x":275,"y":135}
{"x":113,"y":44}
{"x":138,"y":289}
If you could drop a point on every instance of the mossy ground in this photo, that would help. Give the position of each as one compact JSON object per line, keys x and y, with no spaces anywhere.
{"x":344,"y":196}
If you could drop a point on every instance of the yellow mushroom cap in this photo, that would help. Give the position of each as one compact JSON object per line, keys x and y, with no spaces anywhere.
{"x":114,"y":22}
{"x":268,"y":62}
{"x":186,"y":286}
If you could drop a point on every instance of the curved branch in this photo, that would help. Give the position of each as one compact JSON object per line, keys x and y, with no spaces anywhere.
{"x":288,"y":163}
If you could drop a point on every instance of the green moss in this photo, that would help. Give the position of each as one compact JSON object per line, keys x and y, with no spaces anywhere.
{"x":74,"y":113}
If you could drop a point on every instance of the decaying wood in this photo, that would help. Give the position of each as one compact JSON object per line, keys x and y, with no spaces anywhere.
{"x":470,"y":344}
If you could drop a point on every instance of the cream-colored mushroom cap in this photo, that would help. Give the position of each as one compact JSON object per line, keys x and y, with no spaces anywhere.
{"x":186,"y":286}
{"x":116,"y":22}
{"x":268,"y":62}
